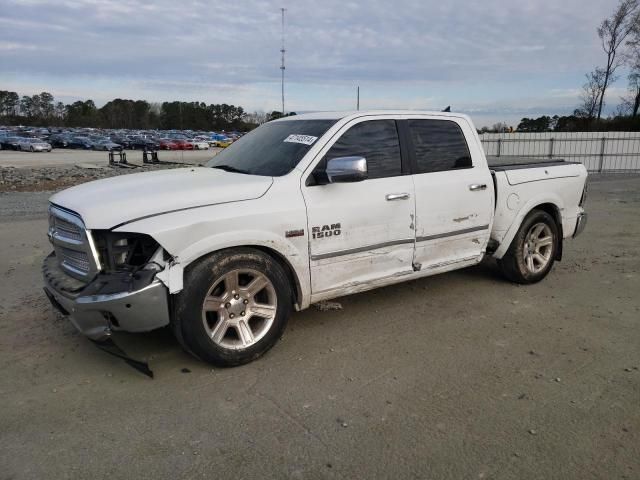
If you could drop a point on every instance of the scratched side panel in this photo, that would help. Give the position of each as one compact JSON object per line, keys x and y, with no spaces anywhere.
{"x":366,"y":219}
{"x":561,"y":187}
{"x":453,"y":222}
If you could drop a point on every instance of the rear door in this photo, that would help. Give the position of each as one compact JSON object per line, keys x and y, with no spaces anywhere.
{"x":454,"y":198}
{"x":361,"y":231}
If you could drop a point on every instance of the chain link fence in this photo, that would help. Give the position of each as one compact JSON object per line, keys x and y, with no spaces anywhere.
{"x":608,"y":152}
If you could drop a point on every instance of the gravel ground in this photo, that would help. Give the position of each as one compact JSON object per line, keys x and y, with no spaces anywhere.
{"x":35,"y":172}
{"x":23,"y":206}
{"x":56,"y":178}
{"x":457,"y":376}
{"x":66,"y":157}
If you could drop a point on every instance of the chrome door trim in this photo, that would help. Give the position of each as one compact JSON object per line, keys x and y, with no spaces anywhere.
{"x":452,"y":234}
{"x":350,"y":251}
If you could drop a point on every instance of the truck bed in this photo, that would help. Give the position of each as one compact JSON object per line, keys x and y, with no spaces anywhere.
{"x":514,"y":163}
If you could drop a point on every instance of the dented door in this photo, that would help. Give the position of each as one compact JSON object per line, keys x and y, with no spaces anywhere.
{"x":454,"y":194}
{"x":357,"y":235}
{"x":361,"y":232}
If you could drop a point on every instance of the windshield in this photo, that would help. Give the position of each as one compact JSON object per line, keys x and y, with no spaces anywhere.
{"x":273,"y":149}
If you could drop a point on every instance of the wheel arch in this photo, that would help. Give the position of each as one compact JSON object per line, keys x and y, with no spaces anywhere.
{"x":297,"y":274}
{"x":554,"y":211}
{"x":275,"y":255}
{"x":286,"y":265}
{"x":552,"y":206}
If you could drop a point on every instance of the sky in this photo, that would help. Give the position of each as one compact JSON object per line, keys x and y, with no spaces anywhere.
{"x":495,"y":60}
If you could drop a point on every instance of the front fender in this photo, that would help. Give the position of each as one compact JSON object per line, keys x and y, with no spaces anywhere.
{"x":191,"y":234}
{"x":173,"y":275}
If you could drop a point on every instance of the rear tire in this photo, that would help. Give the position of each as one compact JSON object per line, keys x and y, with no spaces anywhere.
{"x":234,"y":307}
{"x":533,"y":250}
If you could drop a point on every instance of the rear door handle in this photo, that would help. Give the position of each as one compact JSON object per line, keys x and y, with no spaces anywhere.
{"x":397,"y":196}
{"x":478,"y":186}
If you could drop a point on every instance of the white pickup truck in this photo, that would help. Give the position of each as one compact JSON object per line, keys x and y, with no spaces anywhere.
{"x":302,"y":209}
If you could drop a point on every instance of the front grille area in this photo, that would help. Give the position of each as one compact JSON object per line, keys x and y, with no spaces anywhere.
{"x":71,"y":243}
{"x":67,"y":229}
{"x":72,"y":259}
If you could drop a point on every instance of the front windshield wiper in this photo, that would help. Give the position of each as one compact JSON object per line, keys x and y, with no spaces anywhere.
{"x":229,"y":168}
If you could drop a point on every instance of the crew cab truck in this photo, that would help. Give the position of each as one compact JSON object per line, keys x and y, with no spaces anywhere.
{"x":302,"y":209}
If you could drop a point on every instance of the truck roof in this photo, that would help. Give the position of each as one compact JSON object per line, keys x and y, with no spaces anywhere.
{"x":362,"y":113}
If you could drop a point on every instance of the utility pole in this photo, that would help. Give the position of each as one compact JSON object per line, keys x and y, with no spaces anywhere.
{"x":282,"y":50}
{"x":358,"y":98}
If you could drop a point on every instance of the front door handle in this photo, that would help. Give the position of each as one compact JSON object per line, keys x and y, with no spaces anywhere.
{"x":397,"y":196}
{"x":478,"y":186}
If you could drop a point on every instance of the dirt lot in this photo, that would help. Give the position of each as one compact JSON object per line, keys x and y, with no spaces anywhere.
{"x":37,"y":172}
{"x":457,"y":376}
{"x":63,"y":156}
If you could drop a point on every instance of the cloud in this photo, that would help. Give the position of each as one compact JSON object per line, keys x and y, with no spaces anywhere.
{"x":16,"y":46}
{"x":414,"y":52}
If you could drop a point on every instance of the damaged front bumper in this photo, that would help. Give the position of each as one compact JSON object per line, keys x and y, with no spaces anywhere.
{"x":581,"y":223}
{"x":127,"y":302}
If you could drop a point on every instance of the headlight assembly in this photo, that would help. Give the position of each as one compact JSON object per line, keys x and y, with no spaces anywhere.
{"x":124,"y":251}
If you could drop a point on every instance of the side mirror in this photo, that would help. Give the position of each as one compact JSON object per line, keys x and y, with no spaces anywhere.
{"x":346,"y":169}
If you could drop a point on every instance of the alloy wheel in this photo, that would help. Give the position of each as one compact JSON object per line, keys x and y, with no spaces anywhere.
{"x":538,"y":247}
{"x":239,"y":309}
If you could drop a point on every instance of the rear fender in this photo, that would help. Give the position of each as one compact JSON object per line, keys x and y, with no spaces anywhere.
{"x":549,"y":199}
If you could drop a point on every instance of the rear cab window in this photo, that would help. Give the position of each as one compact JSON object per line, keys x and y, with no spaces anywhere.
{"x":439,"y":145}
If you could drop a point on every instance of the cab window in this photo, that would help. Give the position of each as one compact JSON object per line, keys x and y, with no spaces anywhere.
{"x":439,"y":145}
{"x":375,"y":140}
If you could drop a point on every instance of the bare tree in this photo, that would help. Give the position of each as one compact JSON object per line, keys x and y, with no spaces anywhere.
{"x":592,"y":94}
{"x":613,"y":31}
{"x":630,"y":103}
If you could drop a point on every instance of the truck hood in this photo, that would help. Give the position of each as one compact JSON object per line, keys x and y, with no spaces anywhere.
{"x":103,"y":204}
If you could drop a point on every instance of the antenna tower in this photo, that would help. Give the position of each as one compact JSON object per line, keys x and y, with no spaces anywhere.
{"x":282,"y":50}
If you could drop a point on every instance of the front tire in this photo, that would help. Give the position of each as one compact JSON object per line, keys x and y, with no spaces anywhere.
{"x":234,"y":307}
{"x":533,"y":250}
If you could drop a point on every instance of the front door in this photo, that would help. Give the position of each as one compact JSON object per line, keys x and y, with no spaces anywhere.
{"x":362,"y":231}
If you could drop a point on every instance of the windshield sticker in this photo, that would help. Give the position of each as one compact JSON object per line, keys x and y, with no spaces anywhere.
{"x":304,"y":139}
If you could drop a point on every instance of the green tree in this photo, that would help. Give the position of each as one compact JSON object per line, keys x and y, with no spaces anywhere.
{"x":46,"y":105}
{"x":26,"y":106}
{"x":9,"y":102}
{"x":82,"y":114}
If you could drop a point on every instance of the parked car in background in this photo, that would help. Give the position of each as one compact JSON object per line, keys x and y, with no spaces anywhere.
{"x":221,"y":140}
{"x":168,"y":144}
{"x":107,"y":145}
{"x":140,"y":143}
{"x":121,"y":140}
{"x":199,"y":144}
{"x":80,"y":143}
{"x":59,"y":141}
{"x":33,"y":145}
{"x":11,"y":143}
{"x":183,"y":144}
